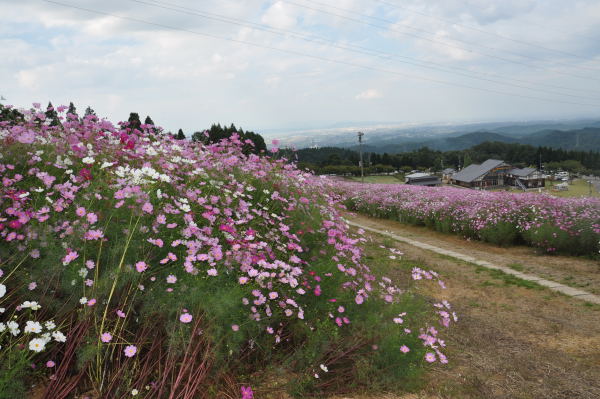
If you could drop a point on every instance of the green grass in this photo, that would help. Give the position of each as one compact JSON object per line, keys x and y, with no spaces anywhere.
{"x":509,"y":279}
{"x":379,"y":179}
{"x":577,"y":189}
{"x":516,"y":266}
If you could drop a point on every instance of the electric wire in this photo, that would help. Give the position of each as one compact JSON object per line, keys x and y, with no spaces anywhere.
{"x":353,"y":48}
{"x":317,"y":57}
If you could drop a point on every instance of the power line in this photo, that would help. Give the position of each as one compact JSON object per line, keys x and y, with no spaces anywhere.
{"x":363,"y":22}
{"x":526,"y":43}
{"x":331,"y":60}
{"x":361,"y":50}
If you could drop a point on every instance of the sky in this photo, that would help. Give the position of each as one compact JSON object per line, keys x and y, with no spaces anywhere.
{"x":281,"y":65}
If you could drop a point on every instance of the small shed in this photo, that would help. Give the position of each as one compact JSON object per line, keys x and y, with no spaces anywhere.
{"x":422,"y":179}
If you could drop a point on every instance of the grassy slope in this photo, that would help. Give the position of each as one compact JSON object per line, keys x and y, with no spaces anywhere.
{"x":513,"y":341}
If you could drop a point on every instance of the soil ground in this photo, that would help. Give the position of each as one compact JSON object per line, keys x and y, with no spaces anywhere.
{"x":512,"y":340}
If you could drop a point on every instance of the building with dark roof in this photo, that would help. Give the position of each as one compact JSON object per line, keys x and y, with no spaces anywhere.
{"x":489,"y":174}
{"x":495,"y":173}
{"x":526,"y":178}
{"x":422,"y":179}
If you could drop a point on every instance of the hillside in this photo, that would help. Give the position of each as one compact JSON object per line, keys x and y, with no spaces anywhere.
{"x":586,"y":139}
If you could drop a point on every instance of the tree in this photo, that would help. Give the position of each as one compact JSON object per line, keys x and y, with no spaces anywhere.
{"x":216,"y":133}
{"x":89,"y":111}
{"x":52,"y":115}
{"x":10,"y":114}
{"x":148,"y":121}
{"x":180,"y":135}
{"x":134,"y":121}
{"x":72,"y":110}
{"x":467,"y":160}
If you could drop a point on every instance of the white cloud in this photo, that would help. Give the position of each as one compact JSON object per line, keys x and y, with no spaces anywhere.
{"x":187,"y":80}
{"x":280,"y":15}
{"x":369,"y":94}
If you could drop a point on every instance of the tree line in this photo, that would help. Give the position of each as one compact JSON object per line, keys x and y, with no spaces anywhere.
{"x":253,"y":142}
{"x":334,"y":160}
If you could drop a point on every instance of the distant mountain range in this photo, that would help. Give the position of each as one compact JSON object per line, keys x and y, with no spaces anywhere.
{"x":586,"y":139}
{"x":582,"y":135}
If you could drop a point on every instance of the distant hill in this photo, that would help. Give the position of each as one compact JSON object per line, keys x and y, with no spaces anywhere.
{"x":585,"y":139}
{"x":581,"y":139}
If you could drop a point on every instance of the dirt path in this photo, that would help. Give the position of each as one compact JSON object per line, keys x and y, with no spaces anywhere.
{"x":511,"y":341}
{"x":571,"y":271}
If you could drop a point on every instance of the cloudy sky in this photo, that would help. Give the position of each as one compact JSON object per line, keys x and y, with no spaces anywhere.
{"x":304,"y":63}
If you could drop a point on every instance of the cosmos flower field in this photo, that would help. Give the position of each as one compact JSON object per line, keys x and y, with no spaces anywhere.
{"x":556,"y":225}
{"x":136,"y":265}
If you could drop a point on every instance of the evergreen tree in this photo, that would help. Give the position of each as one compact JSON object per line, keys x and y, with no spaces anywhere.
{"x":180,"y":135}
{"x":148,"y":121}
{"x":216,"y":133}
{"x":72,"y":110}
{"x":9,"y":114}
{"x":134,"y":121}
{"x":89,"y":111}
{"x":52,"y":115}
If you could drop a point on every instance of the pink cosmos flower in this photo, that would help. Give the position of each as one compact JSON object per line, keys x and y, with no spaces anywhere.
{"x":106,"y":337}
{"x":120,"y":313}
{"x":171,"y":279}
{"x":91,"y":218}
{"x":50,"y":364}
{"x":130,"y":350}
{"x":91,"y":302}
{"x":26,"y":137}
{"x":235,"y":327}
{"x":80,"y":211}
{"x":404,"y":349}
{"x":32,"y":286}
{"x":185,"y":318}
{"x":71,"y":256}
{"x":141,"y":266}
{"x":147,"y":207}
{"x":430,"y":357}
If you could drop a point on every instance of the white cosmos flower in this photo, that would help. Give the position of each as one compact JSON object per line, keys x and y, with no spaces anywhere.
{"x":59,"y":337}
{"x":13,"y":327}
{"x":33,"y":305}
{"x":37,"y":344}
{"x":33,"y":327}
{"x":2,"y":290}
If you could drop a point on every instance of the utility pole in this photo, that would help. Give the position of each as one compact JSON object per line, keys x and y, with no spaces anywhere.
{"x":362,"y":172}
